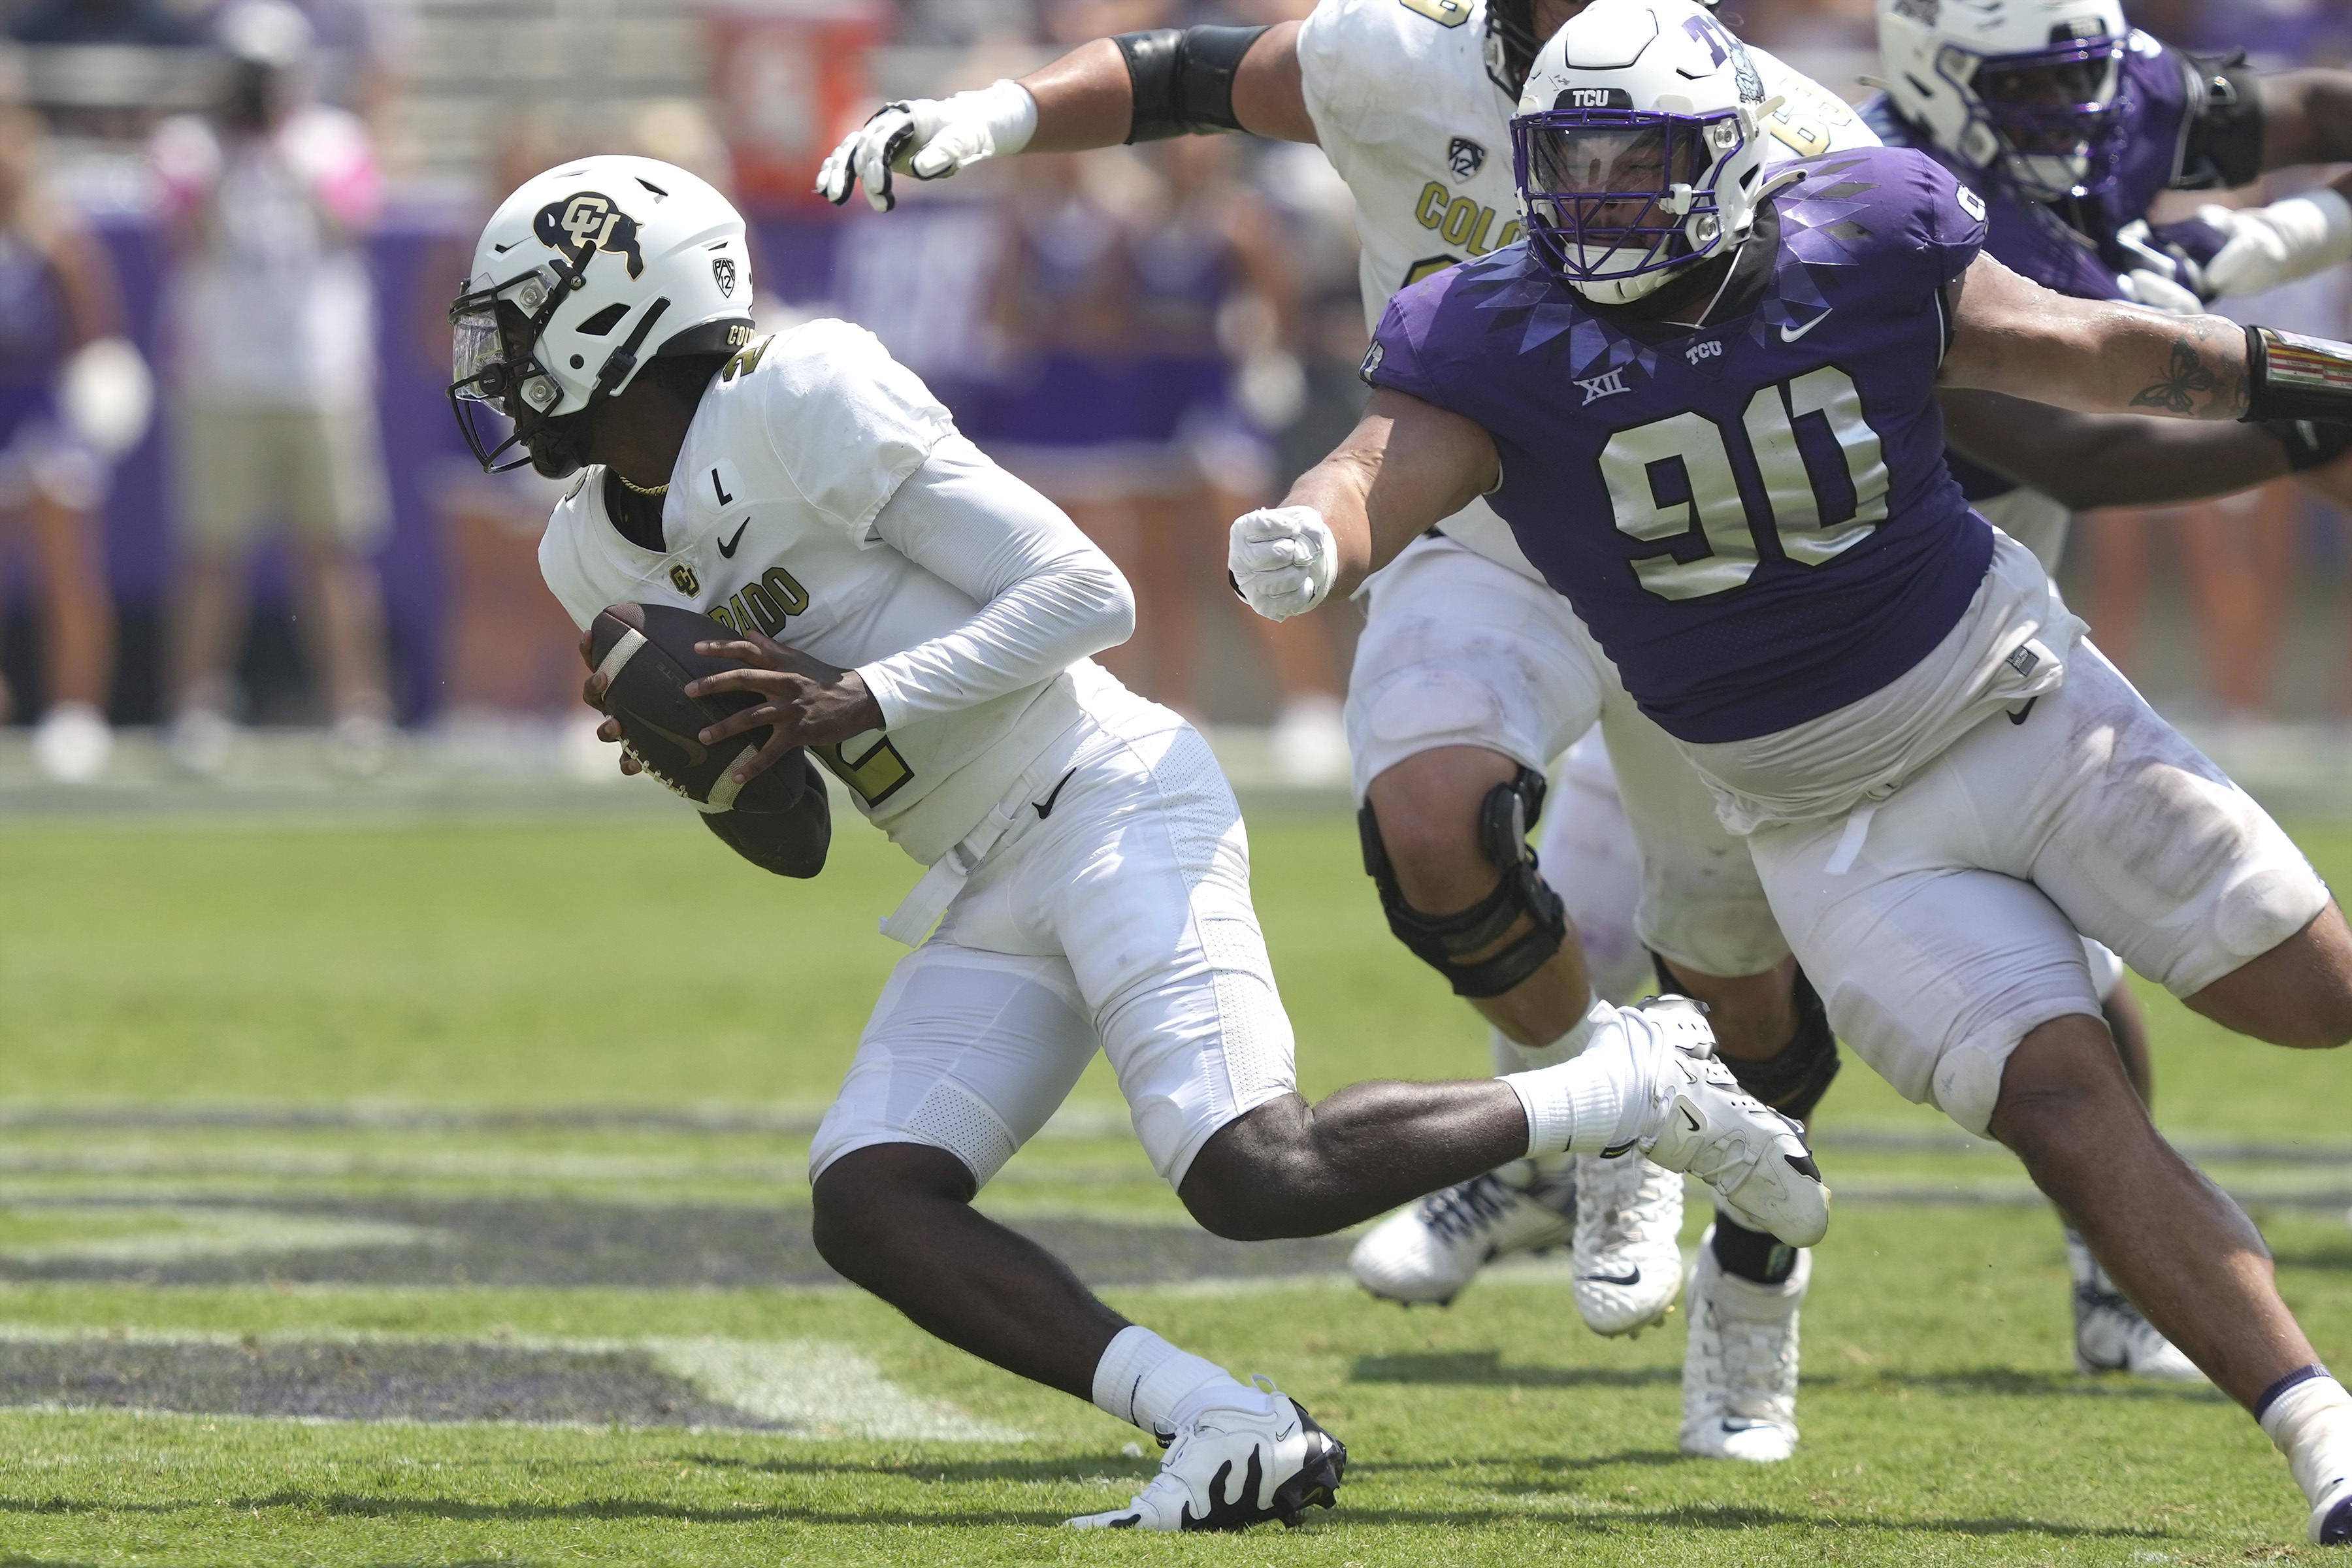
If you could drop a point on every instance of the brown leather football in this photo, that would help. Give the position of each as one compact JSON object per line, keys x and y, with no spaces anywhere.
{"x":647,"y":652}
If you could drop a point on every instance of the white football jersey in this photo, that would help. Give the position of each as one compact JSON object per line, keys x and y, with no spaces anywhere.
{"x":1406,"y":113}
{"x":795,"y":449}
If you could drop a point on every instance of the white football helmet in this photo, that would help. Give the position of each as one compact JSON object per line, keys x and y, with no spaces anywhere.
{"x":584,"y":263}
{"x":2025,"y":89}
{"x":1638,"y":145}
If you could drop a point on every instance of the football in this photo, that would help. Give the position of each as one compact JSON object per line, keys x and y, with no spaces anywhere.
{"x":791,"y":845}
{"x":647,"y":652}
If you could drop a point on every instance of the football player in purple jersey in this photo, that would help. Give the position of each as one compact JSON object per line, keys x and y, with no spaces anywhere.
{"x":2070,"y":122}
{"x":1405,"y":99}
{"x":1704,"y":400}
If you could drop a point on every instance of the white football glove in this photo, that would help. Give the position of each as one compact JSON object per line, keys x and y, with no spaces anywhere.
{"x":2157,"y":292}
{"x":2279,"y":242}
{"x":1282,"y":559}
{"x":928,"y":138}
{"x":106,"y":396}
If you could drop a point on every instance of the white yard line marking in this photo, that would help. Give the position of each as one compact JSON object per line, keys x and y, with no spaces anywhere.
{"x":818,"y":1385}
{"x":173,"y":1233}
{"x":821,"y":1389}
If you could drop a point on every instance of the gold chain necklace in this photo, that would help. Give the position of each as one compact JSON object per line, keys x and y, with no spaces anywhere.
{"x":640,"y":489}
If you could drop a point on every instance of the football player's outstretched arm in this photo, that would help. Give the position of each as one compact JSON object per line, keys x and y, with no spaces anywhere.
{"x":2012,"y":335}
{"x":2091,"y":460}
{"x":1407,"y":465}
{"x":1138,"y":87}
{"x":2307,"y":118}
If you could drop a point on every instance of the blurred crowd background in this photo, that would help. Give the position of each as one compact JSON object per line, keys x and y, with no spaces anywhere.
{"x":231,"y":495}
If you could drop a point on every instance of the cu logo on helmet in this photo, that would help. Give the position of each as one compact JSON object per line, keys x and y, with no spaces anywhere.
{"x":586,"y":222}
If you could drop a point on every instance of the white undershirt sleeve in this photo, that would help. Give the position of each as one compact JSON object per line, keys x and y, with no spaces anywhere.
{"x":1048,"y":596}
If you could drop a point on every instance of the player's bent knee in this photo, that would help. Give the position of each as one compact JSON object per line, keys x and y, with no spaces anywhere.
{"x":1461,"y":943}
{"x":2061,"y":1086}
{"x":857,"y":1197}
{"x":1247,"y":1181}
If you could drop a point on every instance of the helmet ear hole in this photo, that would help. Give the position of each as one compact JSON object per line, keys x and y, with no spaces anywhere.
{"x":601,"y":323}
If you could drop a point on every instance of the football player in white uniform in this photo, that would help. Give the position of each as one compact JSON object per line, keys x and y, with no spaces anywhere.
{"x":1088,"y":868}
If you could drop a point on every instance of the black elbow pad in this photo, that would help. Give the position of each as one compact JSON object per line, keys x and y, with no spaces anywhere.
{"x":1183,"y":78}
{"x":2222,"y":142}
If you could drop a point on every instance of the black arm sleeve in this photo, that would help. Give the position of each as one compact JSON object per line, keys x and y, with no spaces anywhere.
{"x":2309,"y":444}
{"x":1183,"y":78}
{"x":2221,"y":146}
{"x":792,"y":843}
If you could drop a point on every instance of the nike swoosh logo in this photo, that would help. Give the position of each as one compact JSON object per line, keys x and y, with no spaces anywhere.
{"x":1631,"y":1277}
{"x":2022,"y":715}
{"x":696,"y":751}
{"x":1789,"y":337}
{"x":727,"y":547}
{"x":1691,"y":1117}
{"x":1046,"y":806}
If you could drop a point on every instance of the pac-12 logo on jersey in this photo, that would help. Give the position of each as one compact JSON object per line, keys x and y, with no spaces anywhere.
{"x":1464,"y":157}
{"x":585,"y":221}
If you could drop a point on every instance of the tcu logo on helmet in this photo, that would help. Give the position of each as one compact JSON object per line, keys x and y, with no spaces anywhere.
{"x":722,"y":272}
{"x":584,"y":222}
{"x":1724,"y":47}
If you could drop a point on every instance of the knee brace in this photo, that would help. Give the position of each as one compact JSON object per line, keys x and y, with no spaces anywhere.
{"x":1792,"y":1082}
{"x":1438,"y":941}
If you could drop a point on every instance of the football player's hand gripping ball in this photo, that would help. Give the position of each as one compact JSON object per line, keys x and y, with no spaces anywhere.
{"x":804,"y":701}
{"x":930,"y":139}
{"x":1282,"y":559}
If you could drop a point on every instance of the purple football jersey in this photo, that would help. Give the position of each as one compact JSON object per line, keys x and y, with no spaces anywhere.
{"x":1753,"y":516}
{"x":2071,"y":246}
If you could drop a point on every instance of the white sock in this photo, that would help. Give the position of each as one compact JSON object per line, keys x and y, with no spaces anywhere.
{"x":2311,"y":1422}
{"x":1142,"y":1379}
{"x":1595,"y":1101}
{"x":1512,"y":1057}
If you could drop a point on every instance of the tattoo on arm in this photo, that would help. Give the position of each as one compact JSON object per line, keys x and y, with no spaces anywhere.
{"x":2183,"y":380}
{"x":2201,"y":385}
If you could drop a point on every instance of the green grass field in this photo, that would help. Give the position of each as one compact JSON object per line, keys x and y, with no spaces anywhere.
{"x":436,"y":1193}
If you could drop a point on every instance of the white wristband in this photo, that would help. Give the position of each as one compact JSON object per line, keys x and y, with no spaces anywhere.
{"x":1011,"y":114}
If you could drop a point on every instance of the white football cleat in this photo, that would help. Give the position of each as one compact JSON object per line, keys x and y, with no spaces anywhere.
{"x":2110,"y":1335}
{"x":1430,"y":1251}
{"x":1628,"y":1256}
{"x":72,"y":743}
{"x":1740,"y":1369}
{"x":2331,"y":1516}
{"x":1256,"y":1457}
{"x":1705,"y":1125}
